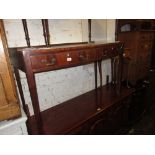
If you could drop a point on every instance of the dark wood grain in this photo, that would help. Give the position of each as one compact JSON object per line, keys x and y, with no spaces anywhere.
{"x":33,"y":93}
{"x":43,"y":59}
{"x":138,"y":47}
{"x":71,"y":115}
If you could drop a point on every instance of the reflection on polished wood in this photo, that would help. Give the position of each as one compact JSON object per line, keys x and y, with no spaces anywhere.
{"x":79,"y":115}
{"x":73,"y":113}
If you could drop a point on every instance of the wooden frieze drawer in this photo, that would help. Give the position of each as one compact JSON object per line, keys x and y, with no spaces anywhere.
{"x":54,"y":61}
{"x":56,"y":57}
{"x":43,"y":61}
{"x":62,"y":59}
{"x":67,"y":58}
{"x":113,"y":51}
{"x":87,"y":55}
{"x":110,"y":51}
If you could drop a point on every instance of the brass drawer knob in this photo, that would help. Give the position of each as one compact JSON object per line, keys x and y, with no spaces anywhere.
{"x":105,"y":52}
{"x":83,"y":57}
{"x":43,"y":61}
{"x":52,"y":62}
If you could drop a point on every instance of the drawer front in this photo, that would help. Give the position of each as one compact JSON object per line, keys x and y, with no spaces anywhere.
{"x":53,"y":61}
{"x":110,"y":51}
{"x":63,"y":59}
{"x":86,"y":56}
{"x":43,"y":61}
{"x":113,"y":51}
{"x":71,"y":58}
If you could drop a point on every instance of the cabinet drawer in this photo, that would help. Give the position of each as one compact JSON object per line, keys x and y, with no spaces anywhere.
{"x":43,"y":61}
{"x":56,"y":60}
{"x":106,"y":52}
{"x":63,"y":59}
{"x":40,"y":61}
{"x":114,"y":51}
{"x":88,"y":55}
{"x":70,"y":58}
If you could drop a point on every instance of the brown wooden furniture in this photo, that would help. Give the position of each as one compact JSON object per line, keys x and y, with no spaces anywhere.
{"x":139,"y":45}
{"x":83,"y":115}
{"x":69,"y":117}
{"x":138,"y":36}
{"x":9,"y":105}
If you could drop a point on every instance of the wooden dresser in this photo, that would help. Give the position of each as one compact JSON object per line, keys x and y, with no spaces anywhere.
{"x":85,"y":114}
{"x":138,"y":47}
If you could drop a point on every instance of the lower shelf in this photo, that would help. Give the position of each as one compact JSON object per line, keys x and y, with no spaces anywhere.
{"x":70,"y":115}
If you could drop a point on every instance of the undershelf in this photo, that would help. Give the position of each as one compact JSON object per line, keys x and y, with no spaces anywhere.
{"x":63,"y":118}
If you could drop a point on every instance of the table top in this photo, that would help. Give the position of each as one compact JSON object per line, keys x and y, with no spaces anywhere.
{"x":67,"y":46}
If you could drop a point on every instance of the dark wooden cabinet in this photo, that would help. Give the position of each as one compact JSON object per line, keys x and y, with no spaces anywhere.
{"x":138,"y":36}
{"x":99,"y":111}
{"x":138,"y":46}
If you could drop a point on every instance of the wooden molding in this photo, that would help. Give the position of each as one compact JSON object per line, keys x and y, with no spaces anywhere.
{"x":9,"y":111}
{"x":9,"y":103}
